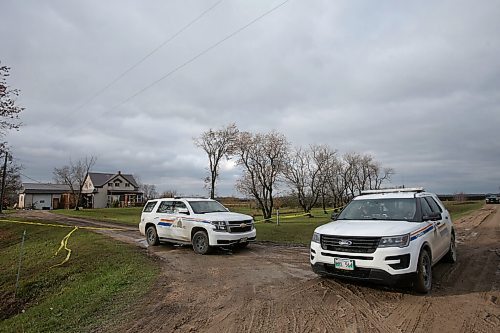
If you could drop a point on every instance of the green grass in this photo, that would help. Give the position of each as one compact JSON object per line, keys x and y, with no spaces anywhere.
{"x":460,"y":209}
{"x":88,"y":292}
{"x":129,"y":216}
{"x":296,"y":230}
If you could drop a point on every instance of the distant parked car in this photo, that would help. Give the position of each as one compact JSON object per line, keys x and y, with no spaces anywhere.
{"x":492,"y":199}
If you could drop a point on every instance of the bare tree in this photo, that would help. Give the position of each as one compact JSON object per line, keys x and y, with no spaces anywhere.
{"x":169,"y":194}
{"x":149,"y":191}
{"x":263,"y":157}
{"x":352,"y":173}
{"x":9,"y":110}
{"x":74,"y":176}
{"x":217,"y":144}
{"x":12,"y":182}
{"x":305,"y":174}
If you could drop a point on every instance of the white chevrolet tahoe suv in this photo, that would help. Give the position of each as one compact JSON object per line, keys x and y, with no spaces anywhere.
{"x":204,"y":223}
{"x":386,"y":236}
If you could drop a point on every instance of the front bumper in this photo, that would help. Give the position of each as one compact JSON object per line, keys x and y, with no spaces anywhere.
{"x":385,"y":265}
{"x":363,"y":274}
{"x":227,"y":238}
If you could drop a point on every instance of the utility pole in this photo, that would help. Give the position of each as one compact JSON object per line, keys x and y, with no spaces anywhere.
{"x":4,"y":174}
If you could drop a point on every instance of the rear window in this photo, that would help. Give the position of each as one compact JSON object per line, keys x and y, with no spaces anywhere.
{"x":397,"y":209}
{"x":148,"y":208}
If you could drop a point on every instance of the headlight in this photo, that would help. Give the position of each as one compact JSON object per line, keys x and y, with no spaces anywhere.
{"x":316,"y":238}
{"x":219,"y":225}
{"x":395,"y":241}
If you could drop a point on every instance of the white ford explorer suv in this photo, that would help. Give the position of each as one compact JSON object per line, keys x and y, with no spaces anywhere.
{"x":204,"y":223}
{"x":386,"y":236}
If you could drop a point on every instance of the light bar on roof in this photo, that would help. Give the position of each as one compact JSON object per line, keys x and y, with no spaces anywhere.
{"x":394,"y":190}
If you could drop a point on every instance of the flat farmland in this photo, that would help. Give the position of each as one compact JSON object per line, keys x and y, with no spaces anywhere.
{"x":271,"y":288}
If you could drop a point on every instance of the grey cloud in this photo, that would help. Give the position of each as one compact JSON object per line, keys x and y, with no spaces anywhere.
{"x":414,"y":84}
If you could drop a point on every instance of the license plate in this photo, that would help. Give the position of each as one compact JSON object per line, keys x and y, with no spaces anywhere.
{"x":243,"y":240}
{"x":346,"y":264}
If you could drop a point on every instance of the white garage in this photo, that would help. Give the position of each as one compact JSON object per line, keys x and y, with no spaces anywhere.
{"x":42,"y":196}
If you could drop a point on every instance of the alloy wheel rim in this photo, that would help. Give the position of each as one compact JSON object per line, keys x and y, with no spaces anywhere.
{"x":150,"y":236}
{"x":200,"y":243}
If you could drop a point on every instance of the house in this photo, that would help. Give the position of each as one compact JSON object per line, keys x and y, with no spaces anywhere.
{"x":44,"y":196}
{"x":101,"y":190}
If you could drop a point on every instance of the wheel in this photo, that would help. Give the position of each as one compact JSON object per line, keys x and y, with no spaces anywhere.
{"x":200,"y":242}
{"x":152,"y":236}
{"x":451,"y":256}
{"x":423,"y":279}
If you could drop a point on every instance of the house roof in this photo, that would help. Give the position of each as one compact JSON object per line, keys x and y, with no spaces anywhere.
{"x":100,"y":178}
{"x":44,"y":188}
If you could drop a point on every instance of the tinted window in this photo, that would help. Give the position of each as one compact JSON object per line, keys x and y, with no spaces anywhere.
{"x":434,"y":206}
{"x":380,"y":209}
{"x":149,"y":207}
{"x":426,"y":209}
{"x":166,"y":207}
{"x":179,"y":205}
{"x":202,"y":207}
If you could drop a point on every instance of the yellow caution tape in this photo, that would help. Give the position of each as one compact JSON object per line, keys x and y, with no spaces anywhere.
{"x":64,"y":244}
{"x":284,"y":216}
{"x":59,"y":225}
{"x":64,"y":241}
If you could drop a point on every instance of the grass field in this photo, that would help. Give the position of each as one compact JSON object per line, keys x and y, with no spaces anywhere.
{"x":297,"y":230}
{"x":88,"y":292}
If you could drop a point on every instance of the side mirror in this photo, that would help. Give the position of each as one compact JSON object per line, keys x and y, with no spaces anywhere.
{"x":432,"y":217}
{"x":183,"y":211}
{"x":335,"y":215}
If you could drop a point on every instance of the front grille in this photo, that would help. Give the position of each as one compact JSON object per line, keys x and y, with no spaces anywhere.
{"x":360,"y":273}
{"x":349,"y":244}
{"x":236,"y":226}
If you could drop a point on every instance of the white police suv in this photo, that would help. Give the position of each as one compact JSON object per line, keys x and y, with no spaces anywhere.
{"x":386,"y":236}
{"x":204,"y":223}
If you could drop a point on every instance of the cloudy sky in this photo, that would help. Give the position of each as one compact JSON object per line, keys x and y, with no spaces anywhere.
{"x":415,"y":85}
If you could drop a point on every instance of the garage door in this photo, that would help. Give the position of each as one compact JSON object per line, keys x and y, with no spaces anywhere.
{"x":42,"y":201}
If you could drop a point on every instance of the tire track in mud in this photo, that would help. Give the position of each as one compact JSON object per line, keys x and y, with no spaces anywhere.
{"x":270,"y":288}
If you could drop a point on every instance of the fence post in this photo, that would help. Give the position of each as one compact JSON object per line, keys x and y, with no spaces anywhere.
{"x":19,"y":265}
{"x":277,"y":216}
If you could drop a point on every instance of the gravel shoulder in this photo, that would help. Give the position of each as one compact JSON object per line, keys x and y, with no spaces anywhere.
{"x":271,"y":288}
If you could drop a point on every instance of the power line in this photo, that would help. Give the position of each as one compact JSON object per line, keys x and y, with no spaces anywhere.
{"x":22,"y":174}
{"x":184,"y":64}
{"x":116,"y":79}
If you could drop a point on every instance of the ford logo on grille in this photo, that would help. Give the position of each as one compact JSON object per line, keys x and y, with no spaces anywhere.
{"x":345,"y":243}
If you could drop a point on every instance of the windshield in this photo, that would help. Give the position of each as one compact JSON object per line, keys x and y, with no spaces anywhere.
{"x":380,"y":209}
{"x":202,"y":207}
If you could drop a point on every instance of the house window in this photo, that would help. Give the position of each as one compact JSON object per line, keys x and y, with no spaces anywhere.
{"x":127,"y":185}
{"x":110,"y":184}
{"x":117,"y":184}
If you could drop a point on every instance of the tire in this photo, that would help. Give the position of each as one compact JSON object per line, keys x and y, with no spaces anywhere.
{"x":423,"y":279}
{"x":200,"y":242}
{"x":451,"y":256}
{"x":151,"y":236}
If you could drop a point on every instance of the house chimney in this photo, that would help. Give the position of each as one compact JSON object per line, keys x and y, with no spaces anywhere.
{"x":119,"y":172}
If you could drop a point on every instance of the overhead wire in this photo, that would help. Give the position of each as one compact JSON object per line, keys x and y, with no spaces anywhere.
{"x":22,"y":174}
{"x":144,"y":58}
{"x":199,"y":55}
{"x":192,"y":59}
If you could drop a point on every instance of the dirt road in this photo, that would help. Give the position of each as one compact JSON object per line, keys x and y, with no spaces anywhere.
{"x":269,"y":288}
